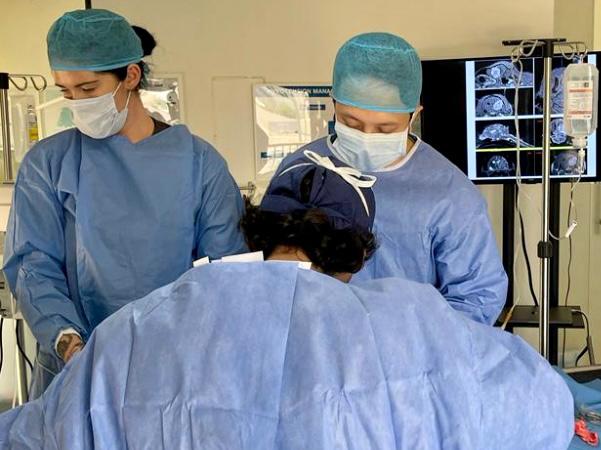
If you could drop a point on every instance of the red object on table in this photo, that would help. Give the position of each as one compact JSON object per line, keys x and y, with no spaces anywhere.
{"x":588,"y":436}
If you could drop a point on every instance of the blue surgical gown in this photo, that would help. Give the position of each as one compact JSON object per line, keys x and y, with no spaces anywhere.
{"x":432,"y":226}
{"x":96,"y":224}
{"x":270,"y":356}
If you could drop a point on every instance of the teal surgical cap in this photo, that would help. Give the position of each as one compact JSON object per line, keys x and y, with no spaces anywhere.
{"x":92,"y":39}
{"x":378,"y":72}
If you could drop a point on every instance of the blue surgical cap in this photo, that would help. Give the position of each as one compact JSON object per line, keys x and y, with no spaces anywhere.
{"x":92,"y":39}
{"x":305,"y":184}
{"x":378,"y":72}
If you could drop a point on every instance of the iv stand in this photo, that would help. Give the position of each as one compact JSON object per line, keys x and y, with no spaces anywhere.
{"x":6,"y":79}
{"x":545,"y":246}
{"x":24,"y":80}
{"x":5,"y":125}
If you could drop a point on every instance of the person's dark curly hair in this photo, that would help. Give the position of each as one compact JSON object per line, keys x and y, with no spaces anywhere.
{"x":333,"y":251}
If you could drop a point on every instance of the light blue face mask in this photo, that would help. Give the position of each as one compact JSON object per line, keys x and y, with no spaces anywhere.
{"x":368,"y":152}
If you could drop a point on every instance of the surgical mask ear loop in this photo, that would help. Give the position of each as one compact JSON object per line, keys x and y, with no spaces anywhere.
{"x":128,"y":95}
{"x":117,"y":88}
{"x":414,"y":115}
{"x":127,"y":101}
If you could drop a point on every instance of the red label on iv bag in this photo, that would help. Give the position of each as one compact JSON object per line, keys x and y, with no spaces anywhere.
{"x":579,"y":100}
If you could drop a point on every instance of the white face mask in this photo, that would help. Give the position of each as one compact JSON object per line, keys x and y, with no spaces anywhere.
{"x":98,"y":117}
{"x":368,"y":152}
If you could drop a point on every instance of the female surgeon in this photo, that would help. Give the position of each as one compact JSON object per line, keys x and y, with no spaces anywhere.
{"x":105,"y":213}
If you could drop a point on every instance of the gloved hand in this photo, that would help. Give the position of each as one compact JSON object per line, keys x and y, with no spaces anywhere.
{"x":68,"y":345}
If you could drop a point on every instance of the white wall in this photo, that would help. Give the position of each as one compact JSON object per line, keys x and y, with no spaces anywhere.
{"x":574,"y":20}
{"x":23,"y":28}
{"x":596,"y":14}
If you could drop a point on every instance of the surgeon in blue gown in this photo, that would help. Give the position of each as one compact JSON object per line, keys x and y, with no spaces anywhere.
{"x":105,"y":213}
{"x":432,"y":223}
{"x":271,"y":355}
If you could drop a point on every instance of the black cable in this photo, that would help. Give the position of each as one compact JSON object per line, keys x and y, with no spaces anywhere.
{"x":588,"y":335}
{"x":565,"y":303}
{"x":577,"y":311}
{"x":569,"y":286}
{"x":21,"y":348}
{"x":527,"y":259}
{"x":580,"y":355}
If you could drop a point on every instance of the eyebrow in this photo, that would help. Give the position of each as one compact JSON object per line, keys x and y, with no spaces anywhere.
{"x":77,"y":85}
{"x":350,"y":115}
